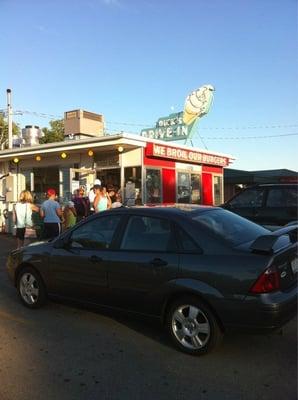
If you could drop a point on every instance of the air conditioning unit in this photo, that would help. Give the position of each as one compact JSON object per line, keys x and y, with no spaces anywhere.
{"x":81,"y":124}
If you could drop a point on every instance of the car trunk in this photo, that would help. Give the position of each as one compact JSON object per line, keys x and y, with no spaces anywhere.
{"x":281,"y":247}
{"x":286,"y":262}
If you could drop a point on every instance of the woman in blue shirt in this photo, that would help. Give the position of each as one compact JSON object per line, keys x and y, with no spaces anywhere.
{"x":51,"y":212}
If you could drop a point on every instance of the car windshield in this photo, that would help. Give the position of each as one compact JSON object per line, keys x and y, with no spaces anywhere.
{"x":229,"y":226}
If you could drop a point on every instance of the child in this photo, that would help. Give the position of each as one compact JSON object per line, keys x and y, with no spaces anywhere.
{"x":70,"y":215}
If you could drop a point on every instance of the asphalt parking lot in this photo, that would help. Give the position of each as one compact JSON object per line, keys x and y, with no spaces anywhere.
{"x":68,"y":353}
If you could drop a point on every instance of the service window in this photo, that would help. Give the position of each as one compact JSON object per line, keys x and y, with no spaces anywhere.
{"x":183,"y":187}
{"x":195,"y":181}
{"x":153,"y":186}
{"x":133,"y":184}
{"x":217,"y":189}
{"x":96,"y":234}
{"x":148,"y":234}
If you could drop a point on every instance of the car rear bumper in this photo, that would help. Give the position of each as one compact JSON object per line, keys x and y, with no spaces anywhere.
{"x":264,"y":312}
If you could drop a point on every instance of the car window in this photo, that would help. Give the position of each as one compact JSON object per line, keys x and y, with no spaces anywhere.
{"x":148,"y":234}
{"x":229,"y":226}
{"x":275,"y":198}
{"x":291,"y":197}
{"x":186,"y":243}
{"x":248,"y":198}
{"x":282,"y":197}
{"x":96,"y":234}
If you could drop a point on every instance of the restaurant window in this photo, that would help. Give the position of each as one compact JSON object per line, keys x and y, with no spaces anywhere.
{"x":188,"y":188}
{"x":153,"y":186}
{"x":133,"y":185}
{"x":45,"y":178}
{"x":183,"y":187}
{"x":217,"y":190}
{"x":195,"y":180}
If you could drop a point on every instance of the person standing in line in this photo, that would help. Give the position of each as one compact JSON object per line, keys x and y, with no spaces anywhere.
{"x":81,"y":203}
{"x":22,"y":216}
{"x":118,"y":201}
{"x":91,"y":194}
{"x":51,"y":212}
{"x":102,"y":200}
{"x":70,"y":215}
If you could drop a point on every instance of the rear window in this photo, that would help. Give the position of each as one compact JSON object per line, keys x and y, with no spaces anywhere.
{"x":229,"y":226}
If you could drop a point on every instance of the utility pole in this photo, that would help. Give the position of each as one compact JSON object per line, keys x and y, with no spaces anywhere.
{"x":9,"y":118}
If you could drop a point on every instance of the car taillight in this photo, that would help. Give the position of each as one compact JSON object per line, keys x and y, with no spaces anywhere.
{"x":267,"y":282}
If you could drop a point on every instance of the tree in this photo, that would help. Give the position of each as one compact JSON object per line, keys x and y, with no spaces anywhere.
{"x":4,"y":131}
{"x":55,"y":133}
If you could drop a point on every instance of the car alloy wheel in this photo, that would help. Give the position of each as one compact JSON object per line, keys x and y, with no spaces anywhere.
{"x":31,"y":288}
{"x":192,"y":326}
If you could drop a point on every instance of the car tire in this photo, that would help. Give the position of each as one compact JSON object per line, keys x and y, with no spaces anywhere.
{"x":192,"y":326}
{"x":31,"y":288}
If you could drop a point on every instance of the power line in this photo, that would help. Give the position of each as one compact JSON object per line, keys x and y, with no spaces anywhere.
{"x":223,"y":137}
{"x":250,"y":137}
{"x":216,"y":127}
{"x":276,"y":126}
{"x":267,"y":126}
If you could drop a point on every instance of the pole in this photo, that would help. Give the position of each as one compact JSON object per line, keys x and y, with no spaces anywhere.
{"x":9,"y":118}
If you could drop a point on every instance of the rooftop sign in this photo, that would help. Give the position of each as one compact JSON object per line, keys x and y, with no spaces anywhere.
{"x":180,"y":125}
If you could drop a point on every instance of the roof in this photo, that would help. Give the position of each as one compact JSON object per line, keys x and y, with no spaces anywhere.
{"x":127,"y":140}
{"x":260,"y":176}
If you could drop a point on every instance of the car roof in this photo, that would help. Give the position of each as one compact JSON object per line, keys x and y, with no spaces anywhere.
{"x":169,"y":211}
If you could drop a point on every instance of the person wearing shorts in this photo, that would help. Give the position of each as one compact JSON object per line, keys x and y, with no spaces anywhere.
{"x":22,"y":215}
{"x":51,"y":213}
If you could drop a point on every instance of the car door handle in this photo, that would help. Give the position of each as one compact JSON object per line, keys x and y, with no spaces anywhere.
{"x":95,"y":259}
{"x":158,"y":262}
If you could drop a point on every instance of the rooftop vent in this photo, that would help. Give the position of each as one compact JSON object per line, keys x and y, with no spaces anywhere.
{"x":31,"y":135}
{"x":80,"y":123}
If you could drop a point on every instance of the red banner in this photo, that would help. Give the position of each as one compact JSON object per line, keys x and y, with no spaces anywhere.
{"x":183,"y":155}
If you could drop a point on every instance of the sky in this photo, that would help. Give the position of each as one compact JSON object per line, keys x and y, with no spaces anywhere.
{"x":136,"y":60}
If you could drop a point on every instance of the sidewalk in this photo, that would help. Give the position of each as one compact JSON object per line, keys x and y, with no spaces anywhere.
{"x":7,"y":244}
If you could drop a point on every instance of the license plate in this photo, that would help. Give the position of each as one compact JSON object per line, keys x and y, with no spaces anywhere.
{"x":294,"y":265}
